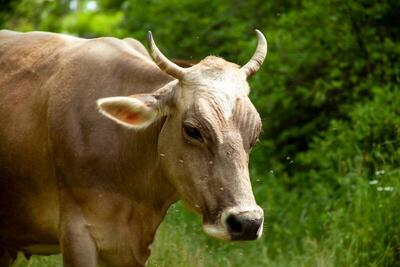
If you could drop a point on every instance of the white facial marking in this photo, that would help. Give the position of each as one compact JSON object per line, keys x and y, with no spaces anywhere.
{"x":227,"y":88}
{"x":217,"y":231}
{"x":222,"y":86}
{"x":220,"y":230}
{"x":260,"y":230}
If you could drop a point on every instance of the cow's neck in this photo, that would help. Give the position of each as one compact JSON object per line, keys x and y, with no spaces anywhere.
{"x":143,"y":177}
{"x":144,"y":182}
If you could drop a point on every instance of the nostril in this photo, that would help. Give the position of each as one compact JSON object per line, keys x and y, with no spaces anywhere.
{"x":234,"y":224}
{"x":244,"y":226}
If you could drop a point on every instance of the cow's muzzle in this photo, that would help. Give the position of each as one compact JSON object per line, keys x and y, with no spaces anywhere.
{"x":245,"y":225}
{"x":238,"y":224}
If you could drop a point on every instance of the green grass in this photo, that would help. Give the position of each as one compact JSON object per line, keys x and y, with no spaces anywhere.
{"x":356,"y":225}
{"x":36,"y":261}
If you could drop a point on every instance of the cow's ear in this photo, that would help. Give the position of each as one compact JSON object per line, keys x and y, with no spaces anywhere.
{"x":137,"y":111}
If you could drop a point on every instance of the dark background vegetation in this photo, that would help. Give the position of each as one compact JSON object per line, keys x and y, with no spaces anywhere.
{"x":326,"y":170}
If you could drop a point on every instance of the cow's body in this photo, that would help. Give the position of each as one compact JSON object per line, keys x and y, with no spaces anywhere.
{"x":73,"y":181}
{"x":57,"y":153}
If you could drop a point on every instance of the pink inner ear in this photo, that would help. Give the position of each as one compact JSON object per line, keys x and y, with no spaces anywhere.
{"x":133,"y":118}
{"x":129,"y":116}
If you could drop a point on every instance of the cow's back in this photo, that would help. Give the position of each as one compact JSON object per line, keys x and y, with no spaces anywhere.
{"x":48,"y":87}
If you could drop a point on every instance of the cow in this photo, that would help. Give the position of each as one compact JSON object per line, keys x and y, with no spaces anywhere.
{"x":98,"y":138}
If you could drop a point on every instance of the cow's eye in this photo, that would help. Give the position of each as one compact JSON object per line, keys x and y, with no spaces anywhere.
{"x":193,"y":133}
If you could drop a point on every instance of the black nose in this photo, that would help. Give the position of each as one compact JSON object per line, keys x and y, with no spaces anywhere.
{"x":243,"y":226}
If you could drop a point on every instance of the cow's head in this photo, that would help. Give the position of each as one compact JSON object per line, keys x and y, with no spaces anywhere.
{"x":205,"y":142}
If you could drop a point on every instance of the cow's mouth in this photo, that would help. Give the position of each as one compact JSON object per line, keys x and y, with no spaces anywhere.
{"x":217,"y":231}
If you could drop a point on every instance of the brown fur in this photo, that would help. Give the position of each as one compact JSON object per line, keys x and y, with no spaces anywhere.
{"x":73,"y":179}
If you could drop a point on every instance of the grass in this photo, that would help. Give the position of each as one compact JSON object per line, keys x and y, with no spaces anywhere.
{"x":356,"y":225}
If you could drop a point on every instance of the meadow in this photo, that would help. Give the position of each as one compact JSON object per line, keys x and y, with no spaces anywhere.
{"x":327,"y":168}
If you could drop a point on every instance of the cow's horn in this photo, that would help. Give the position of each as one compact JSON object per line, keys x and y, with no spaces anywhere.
{"x":257,"y":59}
{"x":162,"y":61}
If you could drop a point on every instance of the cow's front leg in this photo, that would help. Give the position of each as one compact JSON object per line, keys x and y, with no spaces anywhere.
{"x":77,"y":245}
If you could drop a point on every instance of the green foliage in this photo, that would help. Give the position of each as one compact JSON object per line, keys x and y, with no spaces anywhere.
{"x":327,"y":168}
{"x":366,"y":143}
{"x":90,"y":24}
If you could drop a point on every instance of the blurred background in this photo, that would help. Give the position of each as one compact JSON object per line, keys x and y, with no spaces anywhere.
{"x":327,"y":168}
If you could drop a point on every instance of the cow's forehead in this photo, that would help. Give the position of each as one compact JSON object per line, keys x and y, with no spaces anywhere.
{"x":220,"y":84}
